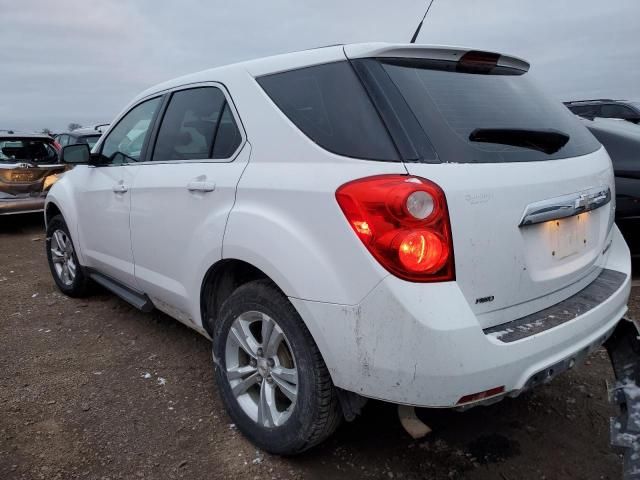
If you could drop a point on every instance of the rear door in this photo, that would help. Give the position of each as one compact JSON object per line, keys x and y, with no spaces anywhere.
{"x":104,"y":195}
{"x":183,"y":194}
{"x":519,"y":172}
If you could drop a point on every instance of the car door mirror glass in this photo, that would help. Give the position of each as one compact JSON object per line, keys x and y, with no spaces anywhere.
{"x":75,"y":154}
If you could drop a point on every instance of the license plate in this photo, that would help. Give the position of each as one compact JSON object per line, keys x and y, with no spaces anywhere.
{"x":22,"y":176}
{"x":569,"y":236}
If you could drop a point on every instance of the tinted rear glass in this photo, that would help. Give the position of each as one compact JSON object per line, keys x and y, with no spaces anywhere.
{"x":27,"y":150}
{"x":451,"y":105}
{"x":329,"y":104}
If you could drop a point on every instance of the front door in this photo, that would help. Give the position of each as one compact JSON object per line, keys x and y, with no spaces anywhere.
{"x":104,"y":193}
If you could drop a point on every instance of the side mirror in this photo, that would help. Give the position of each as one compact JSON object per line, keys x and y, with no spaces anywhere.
{"x":75,"y":154}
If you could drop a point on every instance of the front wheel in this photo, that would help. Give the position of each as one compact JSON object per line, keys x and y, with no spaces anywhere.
{"x":270,"y":373}
{"x":63,"y":261}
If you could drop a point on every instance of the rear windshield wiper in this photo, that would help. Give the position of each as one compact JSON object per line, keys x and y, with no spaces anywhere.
{"x":544,"y":140}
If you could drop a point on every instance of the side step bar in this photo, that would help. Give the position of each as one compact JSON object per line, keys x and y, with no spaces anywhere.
{"x":624,"y":350}
{"x":138,"y":300}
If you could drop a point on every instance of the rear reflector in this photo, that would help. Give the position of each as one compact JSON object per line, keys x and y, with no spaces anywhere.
{"x":474,"y":397}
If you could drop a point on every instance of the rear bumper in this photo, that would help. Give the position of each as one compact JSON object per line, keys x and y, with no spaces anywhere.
{"x":422,"y":345}
{"x":10,"y":206}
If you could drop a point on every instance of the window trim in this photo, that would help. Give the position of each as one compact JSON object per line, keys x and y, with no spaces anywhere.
{"x":168,"y":94}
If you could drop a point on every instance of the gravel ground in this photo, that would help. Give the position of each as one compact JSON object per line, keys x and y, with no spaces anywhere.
{"x":92,"y":388}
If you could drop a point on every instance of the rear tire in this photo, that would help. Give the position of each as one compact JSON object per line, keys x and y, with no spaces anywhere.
{"x":265,"y":357}
{"x":63,"y":261}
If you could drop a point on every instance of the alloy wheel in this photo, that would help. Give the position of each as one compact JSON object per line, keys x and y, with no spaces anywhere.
{"x":261,"y":369}
{"x":62,"y":257}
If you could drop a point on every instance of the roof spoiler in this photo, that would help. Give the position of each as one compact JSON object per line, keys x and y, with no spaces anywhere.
{"x":429,"y":52}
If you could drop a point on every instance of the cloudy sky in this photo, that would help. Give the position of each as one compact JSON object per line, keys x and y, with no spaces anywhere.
{"x":79,"y":61}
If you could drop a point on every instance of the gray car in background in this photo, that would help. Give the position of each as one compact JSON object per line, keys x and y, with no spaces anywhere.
{"x":622,"y":140}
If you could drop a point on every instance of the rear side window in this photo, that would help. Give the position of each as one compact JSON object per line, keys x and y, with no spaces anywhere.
{"x":228,"y":136}
{"x":611,"y":110}
{"x":329,"y":105}
{"x":197,"y":124}
{"x":90,"y":140}
{"x":488,"y":117}
{"x":585,"y":110}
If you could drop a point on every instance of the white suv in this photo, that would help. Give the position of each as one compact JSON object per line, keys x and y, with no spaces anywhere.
{"x":408,"y":223}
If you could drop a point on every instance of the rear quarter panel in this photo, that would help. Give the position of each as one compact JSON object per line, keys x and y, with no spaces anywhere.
{"x":286,"y":220}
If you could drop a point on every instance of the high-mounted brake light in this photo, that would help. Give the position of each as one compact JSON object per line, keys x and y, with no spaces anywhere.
{"x":404,"y":222}
{"x":479,"y":58}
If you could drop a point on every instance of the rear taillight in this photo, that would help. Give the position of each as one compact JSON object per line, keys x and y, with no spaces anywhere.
{"x":57,"y":146}
{"x":404,"y":222}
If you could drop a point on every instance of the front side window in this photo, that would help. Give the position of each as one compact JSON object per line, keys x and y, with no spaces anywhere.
{"x":197,"y":124}
{"x":124,"y":143}
{"x":331,"y":107}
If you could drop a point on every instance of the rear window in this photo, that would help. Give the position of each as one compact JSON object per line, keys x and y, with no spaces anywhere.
{"x":329,"y":105}
{"x":464,"y":113}
{"x":27,"y":150}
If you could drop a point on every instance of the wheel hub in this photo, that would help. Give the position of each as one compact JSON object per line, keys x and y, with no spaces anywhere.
{"x":263,"y":367}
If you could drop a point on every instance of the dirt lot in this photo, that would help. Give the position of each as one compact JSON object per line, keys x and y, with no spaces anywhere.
{"x":93,"y":388}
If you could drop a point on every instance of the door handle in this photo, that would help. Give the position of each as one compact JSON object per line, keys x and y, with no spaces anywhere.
{"x":120,"y":188}
{"x":201,"y":186}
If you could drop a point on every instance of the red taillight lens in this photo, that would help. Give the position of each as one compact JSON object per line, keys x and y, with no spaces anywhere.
{"x":57,"y":146}
{"x":404,"y":222}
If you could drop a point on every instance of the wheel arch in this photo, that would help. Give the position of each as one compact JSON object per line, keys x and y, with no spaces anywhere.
{"x":51,"y":210}
{"x":220,"y":281}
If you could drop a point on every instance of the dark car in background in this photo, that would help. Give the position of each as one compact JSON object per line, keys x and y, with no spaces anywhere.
{"x":606,"y":108}
{"x":622,"y":141}
{"x":28,"y":167}
{"x":88,"y":135}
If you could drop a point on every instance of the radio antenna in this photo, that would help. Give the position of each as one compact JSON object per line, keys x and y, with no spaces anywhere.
{"x":415,"y":35}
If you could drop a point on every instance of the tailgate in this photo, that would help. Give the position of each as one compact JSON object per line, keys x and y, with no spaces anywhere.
{"x":527,"y":186}
{"x":505,"y":269}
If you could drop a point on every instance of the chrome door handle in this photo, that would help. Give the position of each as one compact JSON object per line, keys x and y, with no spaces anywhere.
{"x":120,"y":188}
{"x":201,"y":186}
